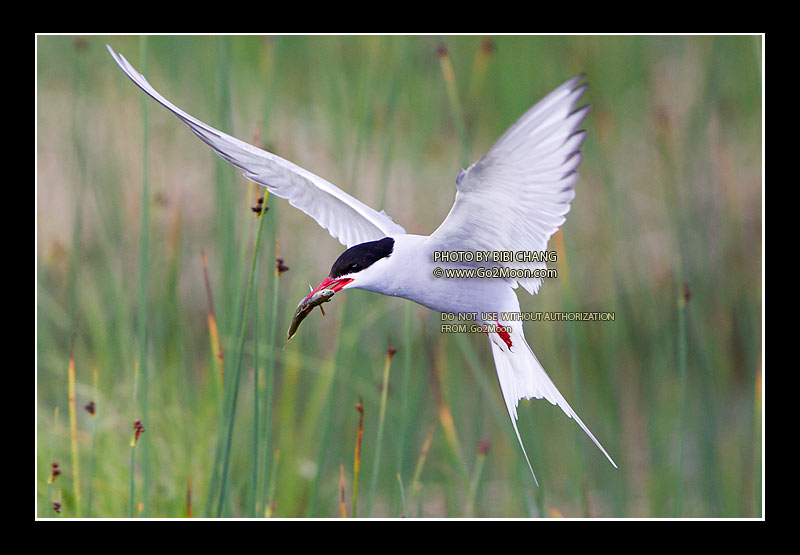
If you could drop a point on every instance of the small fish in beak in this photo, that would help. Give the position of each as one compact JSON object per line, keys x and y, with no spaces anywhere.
{"x":322,"y":294}
{"x":306,"y":306}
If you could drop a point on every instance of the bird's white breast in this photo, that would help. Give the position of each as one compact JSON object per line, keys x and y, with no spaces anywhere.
{"x":409,"y":273}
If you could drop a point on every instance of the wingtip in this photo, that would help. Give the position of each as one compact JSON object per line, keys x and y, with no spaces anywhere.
{"x":113,"y":53}
{"x":576,"y":86}
{"x":572,"y":83}
{"x":120,"y":60}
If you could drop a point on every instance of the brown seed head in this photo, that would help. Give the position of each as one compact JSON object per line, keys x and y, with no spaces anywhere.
{"x":280,"y":266}
{"x":138,"y":430}
{"x":259,"y":208}
{"x":55,"y":470}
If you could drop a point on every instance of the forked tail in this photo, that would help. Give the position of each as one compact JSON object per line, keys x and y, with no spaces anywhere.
{"x":521,"y":376}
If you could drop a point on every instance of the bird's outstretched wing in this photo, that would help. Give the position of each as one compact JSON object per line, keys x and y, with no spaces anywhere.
{"x":346,"y":218}
{"x":516,"y":195}
{"x":513,"y":199}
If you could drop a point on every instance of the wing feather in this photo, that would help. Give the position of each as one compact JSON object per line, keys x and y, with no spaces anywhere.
{"x":345,"y":217}
{"x":517,"y":195}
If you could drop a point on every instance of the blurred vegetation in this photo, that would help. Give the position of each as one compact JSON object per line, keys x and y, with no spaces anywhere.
{"x":665,"y":231}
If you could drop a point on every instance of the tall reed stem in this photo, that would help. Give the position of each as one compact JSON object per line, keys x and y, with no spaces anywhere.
{"x":455,"y":103}
{"x":270,"y":377}
{"x":144,"y":240}
{"x":132,"y":480}
{"x":73,"y":429}
{"x":682,"y":300}
{"x":559,"y":243}
{"x":93,"y":414}
{"x":480,"y":458}
{"x":381,"y":418}
{"x":357,"y":456}
{"x":238,"y":370}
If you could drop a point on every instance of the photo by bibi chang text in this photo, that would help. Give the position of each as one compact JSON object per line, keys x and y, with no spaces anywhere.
{"x":495,"y":256}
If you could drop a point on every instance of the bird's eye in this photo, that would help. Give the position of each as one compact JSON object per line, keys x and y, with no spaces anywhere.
{"x":355,"y":267}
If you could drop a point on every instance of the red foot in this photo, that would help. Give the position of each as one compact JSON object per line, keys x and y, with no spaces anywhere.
{"x":504,"y":335}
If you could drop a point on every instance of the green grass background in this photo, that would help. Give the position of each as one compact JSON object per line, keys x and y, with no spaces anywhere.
{"x":670,"y":193}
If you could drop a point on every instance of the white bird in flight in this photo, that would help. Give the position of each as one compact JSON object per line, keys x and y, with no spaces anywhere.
{"x":512,"y":199}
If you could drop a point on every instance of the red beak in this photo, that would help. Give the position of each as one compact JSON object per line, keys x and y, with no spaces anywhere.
{"x":333,"y":284}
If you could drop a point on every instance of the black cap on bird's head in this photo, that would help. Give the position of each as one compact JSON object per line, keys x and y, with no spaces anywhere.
{"x":353,"y":260}
{"x":360,"y":257}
